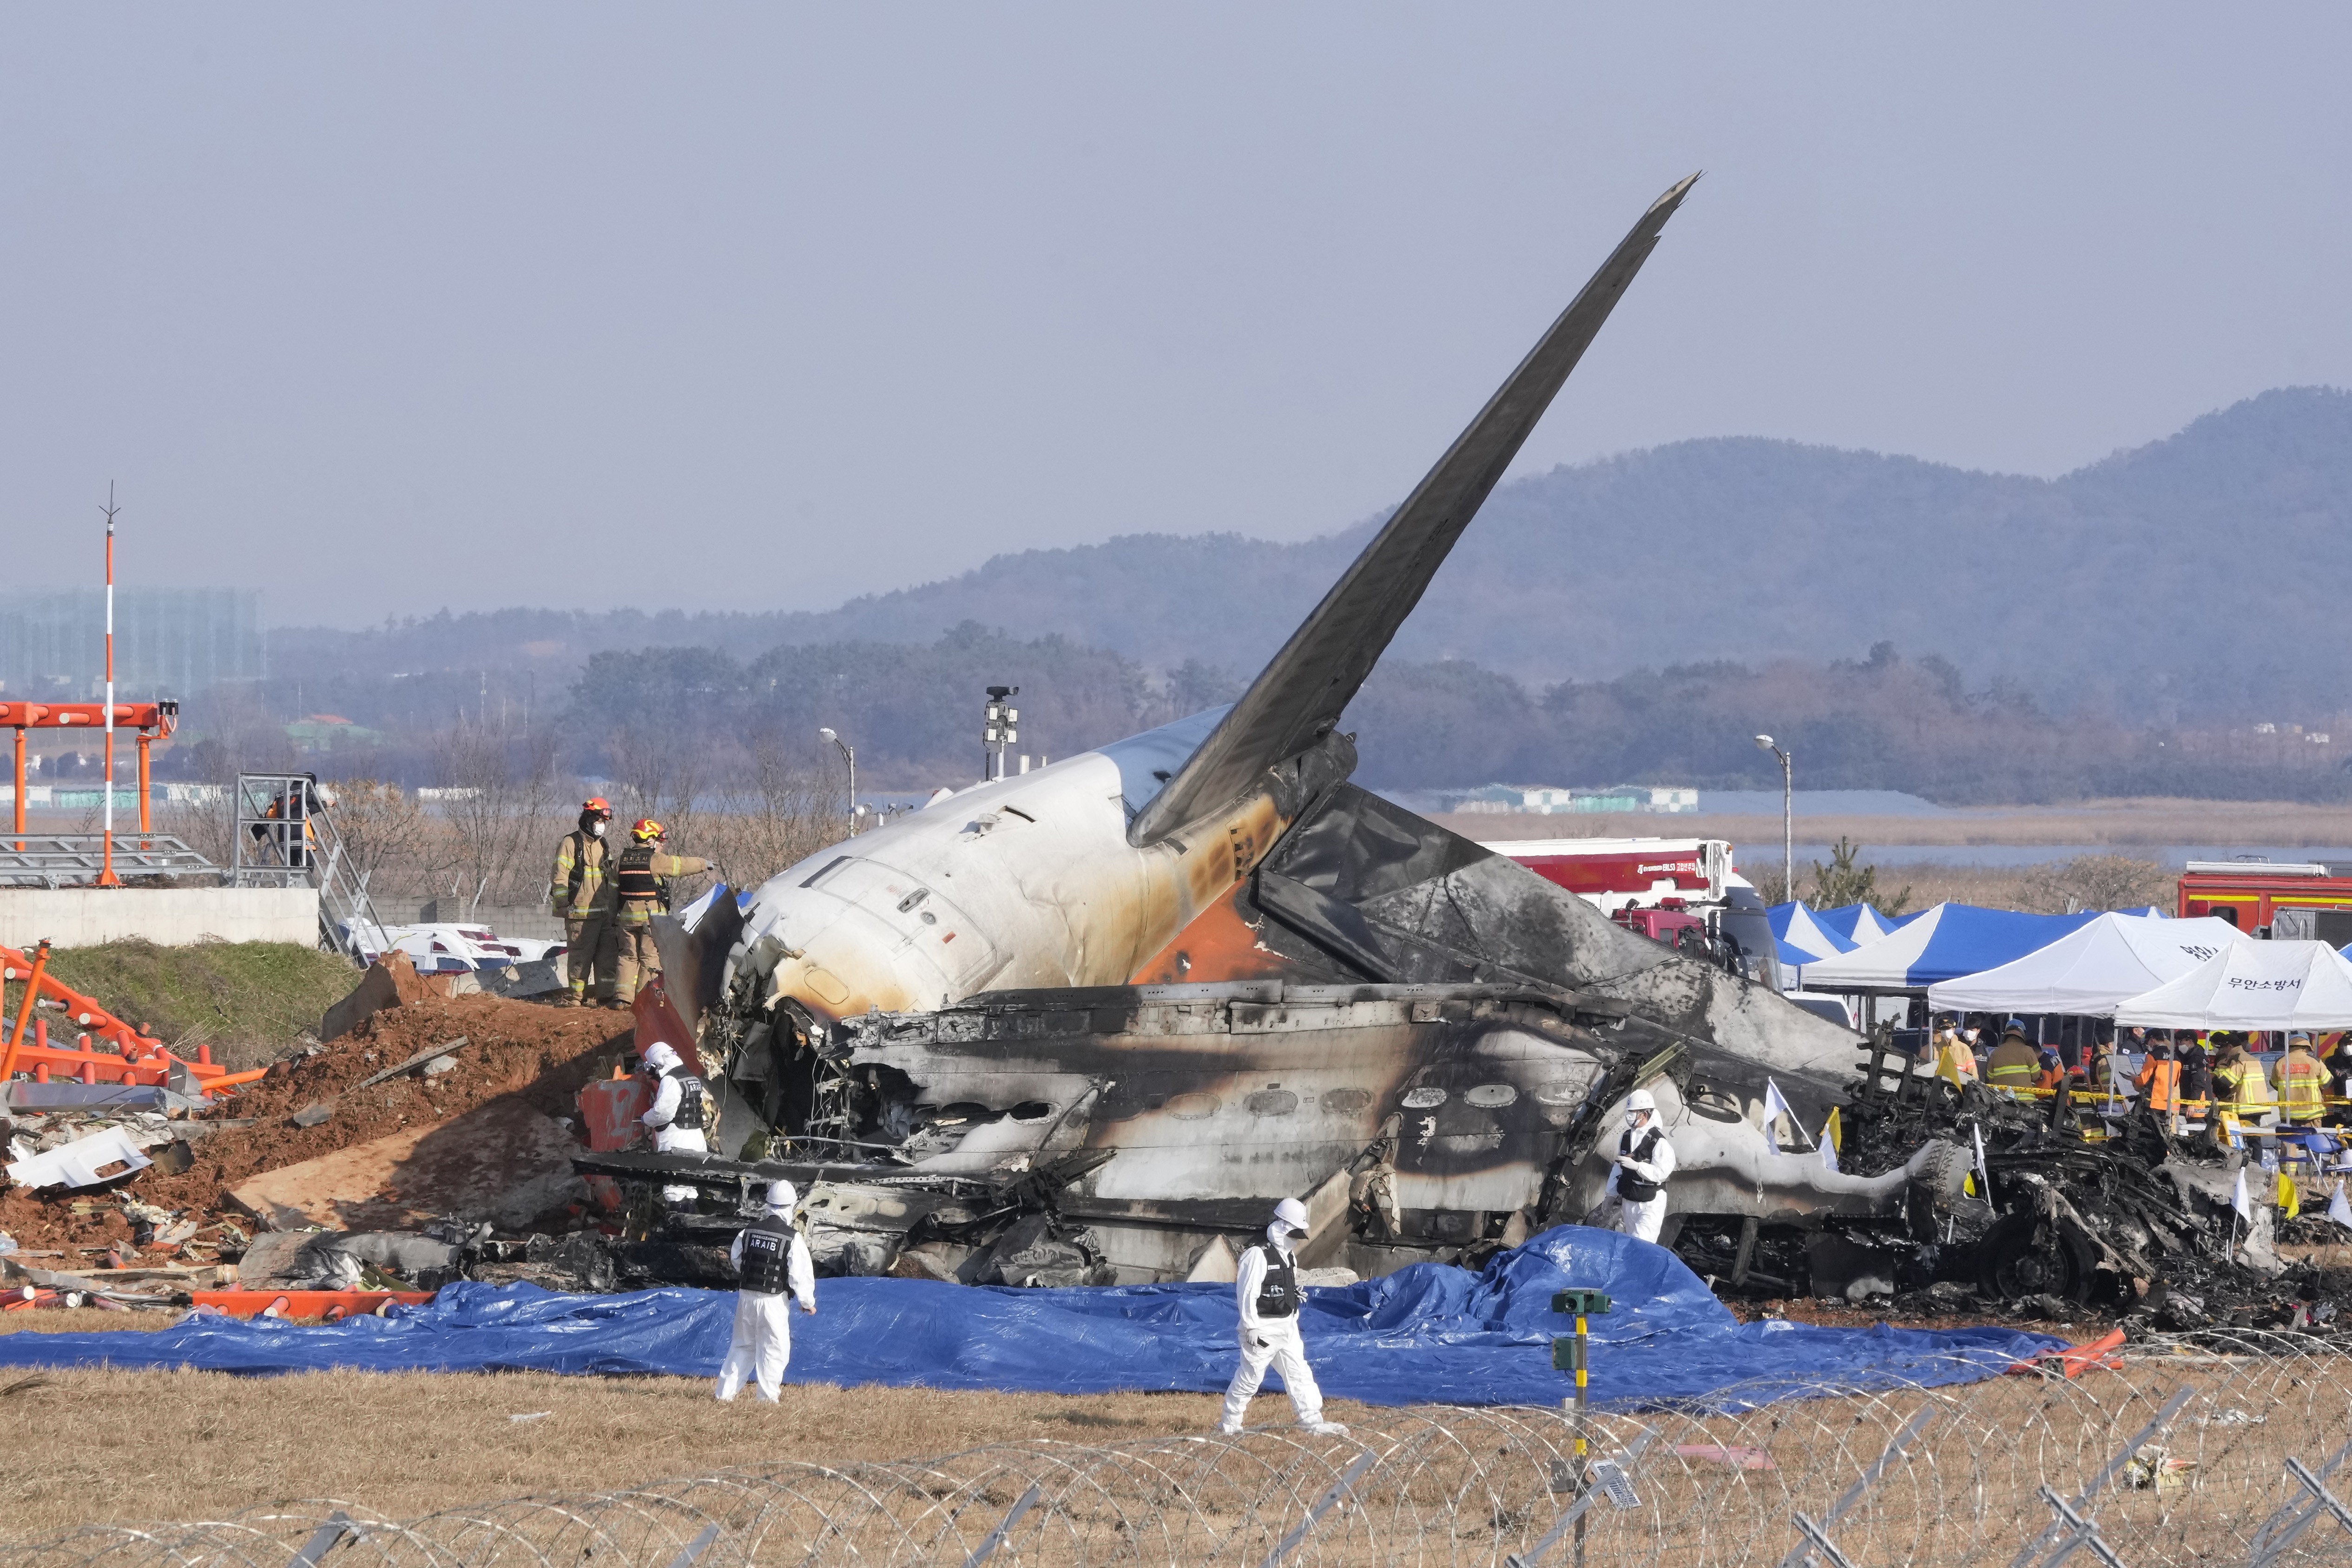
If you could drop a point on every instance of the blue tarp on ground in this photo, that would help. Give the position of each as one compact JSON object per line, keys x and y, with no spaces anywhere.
{"x":1426,"y":1334}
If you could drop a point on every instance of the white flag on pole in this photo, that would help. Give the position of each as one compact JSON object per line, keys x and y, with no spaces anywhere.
{"x":1776,"y":1106}
{"x":1984,"y":1176}
{"x":1829,"y":1153}
{"x":2339,"y":1209}
{"x":2240,"y":1200}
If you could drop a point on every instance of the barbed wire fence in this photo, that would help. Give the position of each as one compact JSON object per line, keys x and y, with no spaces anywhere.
{"x":2179,"y":1454}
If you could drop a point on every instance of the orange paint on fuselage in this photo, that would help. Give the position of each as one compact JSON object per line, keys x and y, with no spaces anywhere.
{"x":1218,"y":945}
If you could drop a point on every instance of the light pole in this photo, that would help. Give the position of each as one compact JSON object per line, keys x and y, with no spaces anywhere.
{"x":1788,"y":818}
{"x":849,"y":754}
{"x":998,"y":731}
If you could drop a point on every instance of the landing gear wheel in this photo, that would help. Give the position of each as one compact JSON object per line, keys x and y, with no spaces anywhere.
{"x":2022,"y":1255}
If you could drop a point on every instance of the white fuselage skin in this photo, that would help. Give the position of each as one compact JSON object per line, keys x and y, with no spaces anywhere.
{"x":1020,"y":882}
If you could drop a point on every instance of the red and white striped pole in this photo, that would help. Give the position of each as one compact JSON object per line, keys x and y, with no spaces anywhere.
{"x":106,"y":876}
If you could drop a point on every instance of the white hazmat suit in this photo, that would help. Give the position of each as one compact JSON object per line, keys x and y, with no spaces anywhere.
{"x":669,"y":1096}
{"x":1643,"y":1219}
{"x":1271,"y":1339}
{"x":763,"y":1344}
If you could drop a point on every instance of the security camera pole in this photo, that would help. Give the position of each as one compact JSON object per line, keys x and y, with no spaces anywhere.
{"x":849,"y":754}
{"x":1788,"y":818}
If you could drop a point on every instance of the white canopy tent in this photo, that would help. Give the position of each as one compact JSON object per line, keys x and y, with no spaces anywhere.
{"x":2252,"y":985}
{"x":2092,"y":970}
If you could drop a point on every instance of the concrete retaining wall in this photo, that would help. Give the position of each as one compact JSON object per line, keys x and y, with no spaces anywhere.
{"x":170,"y":917}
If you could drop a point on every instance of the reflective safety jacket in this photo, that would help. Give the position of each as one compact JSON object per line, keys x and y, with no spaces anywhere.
{"x":2013,"y":1065}
{"x":582,"y":884}
{"x":641,"y":877}
{"x":2301,"y":1084}
{"x":2158,"y":1079}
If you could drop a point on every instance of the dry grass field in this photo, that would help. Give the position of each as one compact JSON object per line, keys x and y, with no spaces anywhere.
{"x":1464,"y":1485}
{"x":136,"y":1446}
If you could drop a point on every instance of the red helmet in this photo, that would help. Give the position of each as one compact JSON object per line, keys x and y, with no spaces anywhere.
{"x":597,"y":805}
{"x":648,"y":830}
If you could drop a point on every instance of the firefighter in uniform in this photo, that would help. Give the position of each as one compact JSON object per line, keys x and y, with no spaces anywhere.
{"x":641,"y":877}
{"x":2016,"y":1062}
{"x":772,"y":1259}
{"x":582,"y":892}
{"x":1266,"y":1287}
{"x":678,"y":1116}
{"x":1638,"y":1173}
{"x":2301,"y":1082}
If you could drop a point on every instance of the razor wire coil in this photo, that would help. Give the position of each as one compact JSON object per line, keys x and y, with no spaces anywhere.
{"x":1717,"y":1485}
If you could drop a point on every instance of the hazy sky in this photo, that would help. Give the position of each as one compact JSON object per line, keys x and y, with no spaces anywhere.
{"x":383,"y":308}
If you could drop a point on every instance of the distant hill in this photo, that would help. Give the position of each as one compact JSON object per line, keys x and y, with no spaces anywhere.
{"x":2196,"y":577}
{"x":2199,"y":575}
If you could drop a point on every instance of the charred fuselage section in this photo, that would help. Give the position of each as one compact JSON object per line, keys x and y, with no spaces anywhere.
{"x":1147,"y":1129}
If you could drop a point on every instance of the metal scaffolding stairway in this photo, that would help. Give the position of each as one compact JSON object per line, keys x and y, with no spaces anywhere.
{"x":284,"y":837}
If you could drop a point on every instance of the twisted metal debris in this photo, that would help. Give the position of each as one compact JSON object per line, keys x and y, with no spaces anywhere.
{"x":1699,"y":1488}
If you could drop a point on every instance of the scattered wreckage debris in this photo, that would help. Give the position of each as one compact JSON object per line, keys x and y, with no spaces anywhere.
{"x":434,"y":1059}
{"x":357,"y":1135}
{"x":2067,"y":1216}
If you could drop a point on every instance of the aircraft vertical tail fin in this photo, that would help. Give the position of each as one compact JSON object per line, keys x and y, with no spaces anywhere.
{"x":1300,"y":696}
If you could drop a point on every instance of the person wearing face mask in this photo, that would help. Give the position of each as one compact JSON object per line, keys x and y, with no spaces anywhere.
{"x":581,"y":893}
{"x":1956,"y":1055}
{"x":1266,"y":1288}
{"x":1637,"y":1175}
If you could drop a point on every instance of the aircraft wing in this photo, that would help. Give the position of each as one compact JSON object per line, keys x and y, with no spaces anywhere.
{"x":1300,"y":696}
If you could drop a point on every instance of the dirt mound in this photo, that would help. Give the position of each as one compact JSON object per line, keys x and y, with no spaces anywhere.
{"x":522,"y":1052}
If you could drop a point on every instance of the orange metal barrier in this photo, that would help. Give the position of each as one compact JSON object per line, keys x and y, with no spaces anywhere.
{"x":136,"y":1058}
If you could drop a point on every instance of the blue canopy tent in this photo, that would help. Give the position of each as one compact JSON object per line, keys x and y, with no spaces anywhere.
{"x":1857,"y":923}
{"x":1943,"y":943}
{"x":1801,"y":937}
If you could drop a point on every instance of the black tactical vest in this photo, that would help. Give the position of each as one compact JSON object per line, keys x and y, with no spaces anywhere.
{"x":1277,"y":1293}
{"x":689,"y":1117}
{"x":634,"y":877}
{"x":767,"y":1255}
{"x":1636,"y":1189}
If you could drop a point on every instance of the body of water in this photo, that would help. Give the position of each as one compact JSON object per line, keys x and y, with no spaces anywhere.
{"x":2174,"y":856}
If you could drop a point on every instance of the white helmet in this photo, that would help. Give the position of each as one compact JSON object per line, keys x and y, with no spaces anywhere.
{"x":782,"y":1196}
{"x":660,"y":1056}
{"x":1641,"y":1100}
{"x":1292,"y":1213}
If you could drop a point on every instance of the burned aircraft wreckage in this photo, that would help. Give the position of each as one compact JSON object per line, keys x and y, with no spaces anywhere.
{"x":1087,"y":1024}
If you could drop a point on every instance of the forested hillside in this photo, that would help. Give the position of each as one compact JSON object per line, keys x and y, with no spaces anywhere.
{"x":1634,"y":618}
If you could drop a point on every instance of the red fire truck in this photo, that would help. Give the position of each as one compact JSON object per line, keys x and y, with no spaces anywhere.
{"x":2280,"y":899}
{"x":1618,"y":873}
{"x":1679,"y":891}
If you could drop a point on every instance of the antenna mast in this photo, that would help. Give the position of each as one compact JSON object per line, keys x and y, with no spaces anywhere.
{"x":106,"y":876}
